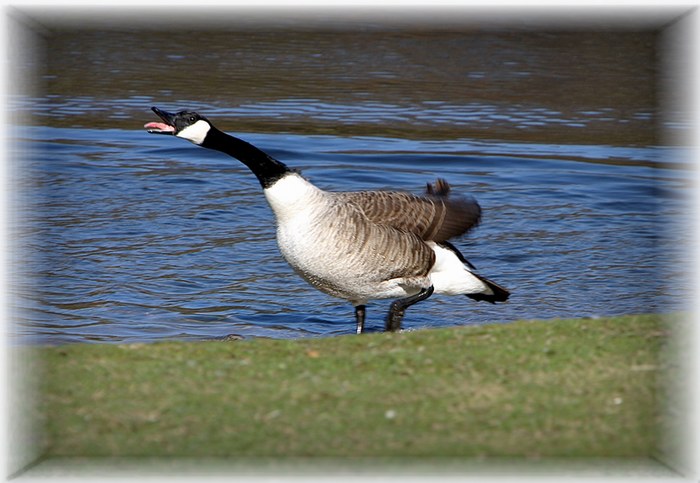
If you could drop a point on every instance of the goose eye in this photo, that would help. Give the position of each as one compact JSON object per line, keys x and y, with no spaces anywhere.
{"x":193,"y":118}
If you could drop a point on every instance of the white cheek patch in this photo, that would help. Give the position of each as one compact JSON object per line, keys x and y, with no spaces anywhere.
{"x":196,"y":132}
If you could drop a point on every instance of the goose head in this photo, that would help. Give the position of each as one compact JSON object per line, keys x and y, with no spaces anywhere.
{"x":188,"y":125}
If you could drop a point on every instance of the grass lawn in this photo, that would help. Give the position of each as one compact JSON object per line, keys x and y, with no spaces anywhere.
{"x":563,"y":388}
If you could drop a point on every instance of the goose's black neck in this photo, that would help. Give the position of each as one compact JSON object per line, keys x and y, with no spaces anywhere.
{"x":266,"y":168}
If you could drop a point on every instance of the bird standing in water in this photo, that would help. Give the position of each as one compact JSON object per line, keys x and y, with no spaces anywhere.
{"x":356,"y":246}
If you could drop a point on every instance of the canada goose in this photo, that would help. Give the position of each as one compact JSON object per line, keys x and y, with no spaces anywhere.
{"x":356,"y":246}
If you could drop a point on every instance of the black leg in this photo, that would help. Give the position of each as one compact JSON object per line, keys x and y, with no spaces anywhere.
{"x":398,"y":307}
{"x":360,"y":318}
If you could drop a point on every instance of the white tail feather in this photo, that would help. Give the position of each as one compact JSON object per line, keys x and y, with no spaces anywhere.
{"x":451,"y":277}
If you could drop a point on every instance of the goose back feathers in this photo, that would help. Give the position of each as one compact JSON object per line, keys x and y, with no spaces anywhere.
{"x":430,"y":217}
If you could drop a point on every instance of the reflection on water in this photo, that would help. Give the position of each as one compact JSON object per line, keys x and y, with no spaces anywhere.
{"x":592,"y":87}
{"x":135,"y":237}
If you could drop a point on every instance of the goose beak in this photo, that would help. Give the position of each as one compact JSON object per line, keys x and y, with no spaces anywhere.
{"x":165,"y":127}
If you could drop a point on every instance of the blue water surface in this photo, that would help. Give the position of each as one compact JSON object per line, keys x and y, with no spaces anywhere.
{"x":125,"y":236}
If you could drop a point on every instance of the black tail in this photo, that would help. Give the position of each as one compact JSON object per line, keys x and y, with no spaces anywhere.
{"x":499,"y":293}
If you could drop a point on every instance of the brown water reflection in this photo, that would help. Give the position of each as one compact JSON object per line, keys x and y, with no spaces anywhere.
{"x":585,"y":87}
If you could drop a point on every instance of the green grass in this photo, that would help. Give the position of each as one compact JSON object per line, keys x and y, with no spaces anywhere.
{"x":564,"y":388}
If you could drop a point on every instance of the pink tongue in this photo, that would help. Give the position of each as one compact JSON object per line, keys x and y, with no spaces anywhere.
{"x":159,"y":126}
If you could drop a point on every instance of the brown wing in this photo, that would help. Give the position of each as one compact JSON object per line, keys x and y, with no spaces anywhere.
{"x":434,"y":216}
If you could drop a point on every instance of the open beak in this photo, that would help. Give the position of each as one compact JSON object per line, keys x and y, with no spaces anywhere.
{"x":165,"y":127}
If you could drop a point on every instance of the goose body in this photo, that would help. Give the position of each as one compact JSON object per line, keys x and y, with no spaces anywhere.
{"x":357,"y":246}
{"x":332,"y":244}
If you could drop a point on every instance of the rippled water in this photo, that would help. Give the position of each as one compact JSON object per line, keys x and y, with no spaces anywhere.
{"x":126,"y":236}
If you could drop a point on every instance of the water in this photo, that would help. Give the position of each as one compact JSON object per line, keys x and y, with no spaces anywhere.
{"x":125,"y":236}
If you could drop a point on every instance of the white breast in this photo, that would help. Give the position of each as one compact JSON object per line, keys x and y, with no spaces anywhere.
{"x":302,"y":235}
{"x":292,"y":195}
